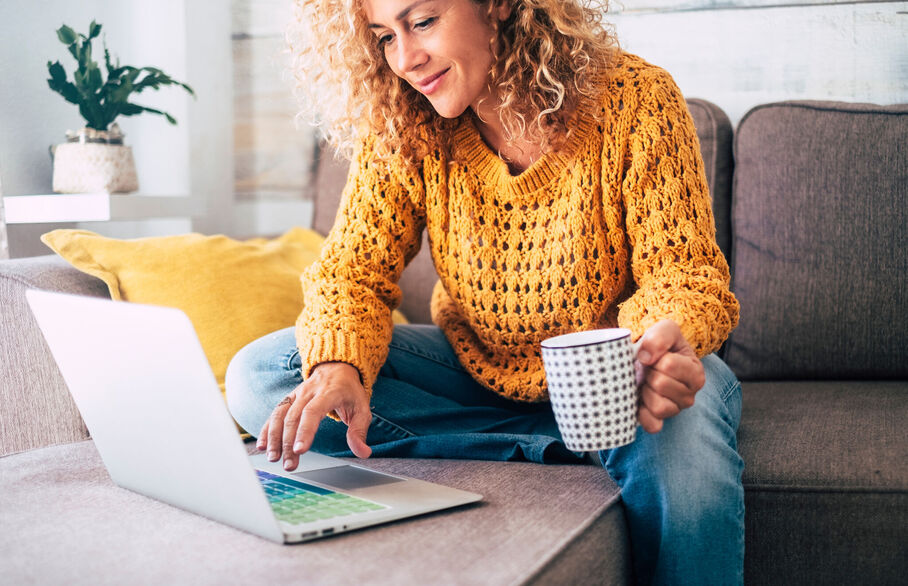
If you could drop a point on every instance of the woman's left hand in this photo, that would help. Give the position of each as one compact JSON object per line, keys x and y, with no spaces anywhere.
{"x":669,"y":374}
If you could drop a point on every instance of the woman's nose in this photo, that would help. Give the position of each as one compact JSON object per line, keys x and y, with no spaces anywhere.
{"x":410,"y":55}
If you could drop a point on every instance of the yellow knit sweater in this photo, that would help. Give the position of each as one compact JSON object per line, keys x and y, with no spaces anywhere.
{"x":614,"y":229}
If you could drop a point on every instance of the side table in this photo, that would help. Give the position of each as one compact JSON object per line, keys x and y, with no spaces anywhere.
{"x":91,"y":207}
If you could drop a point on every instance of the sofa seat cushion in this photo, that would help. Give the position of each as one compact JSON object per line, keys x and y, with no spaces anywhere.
{"x":826,"y":480}
{"x":65,"y":521}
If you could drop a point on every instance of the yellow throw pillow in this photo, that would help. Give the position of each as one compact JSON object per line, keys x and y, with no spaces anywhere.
{"x":233,"y":291}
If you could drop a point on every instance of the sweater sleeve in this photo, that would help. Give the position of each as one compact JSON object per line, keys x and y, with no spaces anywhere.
{"x":350,"y":292}
{"x":678,"y":269}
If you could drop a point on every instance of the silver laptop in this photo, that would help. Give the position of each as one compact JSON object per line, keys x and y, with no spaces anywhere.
{"x":147,"y":394}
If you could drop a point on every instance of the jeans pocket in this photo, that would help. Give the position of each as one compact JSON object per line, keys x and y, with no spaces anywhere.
{"x":293,"y":361}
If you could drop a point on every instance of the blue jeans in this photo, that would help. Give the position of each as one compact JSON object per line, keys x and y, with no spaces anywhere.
{"x":681,"y":487}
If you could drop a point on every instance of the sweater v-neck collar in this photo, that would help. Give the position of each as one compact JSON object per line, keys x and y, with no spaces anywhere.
{"x":493,"y":170}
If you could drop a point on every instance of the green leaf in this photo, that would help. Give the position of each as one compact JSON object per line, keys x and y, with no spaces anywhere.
{"x":149,"y":81}
{"x":110,"y":66}
{"x":70,"y":93}
{"x":58,"y":83}
{"x":119,"y":94}
{"x":89,"y":101}
{"x":113,"y":69}
{"x":132,"y":74}
{"x":56,"y":71}
{"x":155,"y":78}
{"x":90,"y":119}
{"x":111,"y":110}
{"x":66,"y":35}
{"x":116,"y":72}
{"x":187,"y":88}
{"x":94,"y":78}
{"x":65,"y":89}
{"x":94,"y":29}
{"x":85,"y":61}
{"x":133,"y":109}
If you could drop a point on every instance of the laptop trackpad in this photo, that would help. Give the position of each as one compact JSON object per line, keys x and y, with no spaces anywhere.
{"x":347,"y":477}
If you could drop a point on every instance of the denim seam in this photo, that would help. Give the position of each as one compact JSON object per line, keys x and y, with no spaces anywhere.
{"x":725,"y":412}
{"x":400,"y":428}
{"x":727,"y":391}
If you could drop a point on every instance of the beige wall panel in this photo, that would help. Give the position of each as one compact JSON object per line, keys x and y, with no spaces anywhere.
{"x":272,"y":156}
{"x":742,"y":58}
{"x":258,"y":18}
{"x":687,"y":5}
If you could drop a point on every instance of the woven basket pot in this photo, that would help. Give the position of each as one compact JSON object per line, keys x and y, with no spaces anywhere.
{"x":92,"y":161}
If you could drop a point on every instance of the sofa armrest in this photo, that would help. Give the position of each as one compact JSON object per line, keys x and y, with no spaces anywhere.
{"x":35,"y":406}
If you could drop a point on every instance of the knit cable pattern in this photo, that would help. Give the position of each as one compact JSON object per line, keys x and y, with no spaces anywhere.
{"x":614,"y":229}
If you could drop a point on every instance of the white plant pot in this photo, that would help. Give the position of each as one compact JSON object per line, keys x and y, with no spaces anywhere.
{"x":90,"y":167}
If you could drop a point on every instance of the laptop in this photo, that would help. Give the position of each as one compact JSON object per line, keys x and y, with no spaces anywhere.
{"x":150,"y":401}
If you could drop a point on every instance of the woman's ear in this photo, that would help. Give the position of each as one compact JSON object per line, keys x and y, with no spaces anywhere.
{"x":503,"y":9}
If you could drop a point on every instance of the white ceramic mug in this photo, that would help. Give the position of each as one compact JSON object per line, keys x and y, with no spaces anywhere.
{"x":592,"y":387}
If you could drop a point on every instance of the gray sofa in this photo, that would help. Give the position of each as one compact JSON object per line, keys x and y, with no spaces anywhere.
{"x":811,"y":205}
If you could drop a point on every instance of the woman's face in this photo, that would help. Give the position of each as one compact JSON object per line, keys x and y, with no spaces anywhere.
{"x":440,"y":47}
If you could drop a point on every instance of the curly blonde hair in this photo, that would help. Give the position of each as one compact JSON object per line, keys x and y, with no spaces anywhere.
{"x":546,"y":56}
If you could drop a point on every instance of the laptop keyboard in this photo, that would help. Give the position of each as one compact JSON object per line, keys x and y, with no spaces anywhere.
{"x":298,"y":502}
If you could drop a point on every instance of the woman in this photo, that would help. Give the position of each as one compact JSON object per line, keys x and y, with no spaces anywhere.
{"x":560,"y":183}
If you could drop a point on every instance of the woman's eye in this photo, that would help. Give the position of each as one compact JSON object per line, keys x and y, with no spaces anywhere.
{"x":425,"y":23}
{"x":384,"y":40}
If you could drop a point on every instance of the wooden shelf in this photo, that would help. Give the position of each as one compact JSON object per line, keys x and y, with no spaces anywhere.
{"x":97,"y":207}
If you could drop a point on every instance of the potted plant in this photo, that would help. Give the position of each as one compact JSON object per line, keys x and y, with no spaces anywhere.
{"x":95,"y":158}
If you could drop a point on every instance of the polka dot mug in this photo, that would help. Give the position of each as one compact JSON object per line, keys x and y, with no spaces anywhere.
{"x":592,"y":387}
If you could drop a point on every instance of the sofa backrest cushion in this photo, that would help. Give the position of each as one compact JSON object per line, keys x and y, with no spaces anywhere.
{"x":714,"y":132}
{"x":820,"y":233}
{"x":36,"y":409}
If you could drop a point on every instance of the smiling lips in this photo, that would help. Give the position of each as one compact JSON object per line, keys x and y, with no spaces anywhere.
{"x":430,"y":84}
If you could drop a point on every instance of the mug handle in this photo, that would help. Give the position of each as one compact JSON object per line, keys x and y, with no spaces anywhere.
{"x":636,"y":347}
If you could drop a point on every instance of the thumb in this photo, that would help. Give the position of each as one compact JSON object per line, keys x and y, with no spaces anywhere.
{"x":656,"y":341}
{"x":357,"y":429}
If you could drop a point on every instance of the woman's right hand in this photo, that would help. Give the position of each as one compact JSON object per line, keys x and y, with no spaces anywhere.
{"x":331,"y":386}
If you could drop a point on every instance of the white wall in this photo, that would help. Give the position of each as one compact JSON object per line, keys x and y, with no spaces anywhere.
{"x":188,"y":39}
{"x":741,"y":53}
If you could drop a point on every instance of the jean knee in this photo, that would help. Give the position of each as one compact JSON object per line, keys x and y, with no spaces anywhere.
{"x":258,"y":376}
{"x":682,"y":487}
{"x":692,"y":464}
